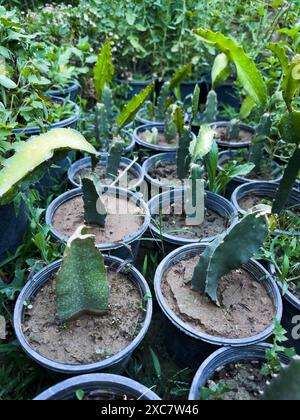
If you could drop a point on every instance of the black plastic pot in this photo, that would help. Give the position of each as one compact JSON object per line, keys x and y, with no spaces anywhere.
{"x":291,"y":309}
{"x":13,"y":226}
{"x":187,"y":88}
{"x":266,"y":190}
{"x":115,"y":363}
{"x":228,"y":155}
{"x":113,"y":384}
{"x":226,"y":356}
{"x":85,"y":163}
{"x":155,"y":186}
{"x":127,"y":249}
{"x":298,"y":185}
{"x":70,"y":92}
{"x":153,"y":148}
{"x":227,"y":93}
{"x":190,"y":346}
{"x":214,"y":202}
{"x":134,"y":88}
{"x":233,"y":144}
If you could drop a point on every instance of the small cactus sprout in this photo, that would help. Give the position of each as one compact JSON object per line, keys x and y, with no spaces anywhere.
{"x":102,"y":129}
{"x":225,"y":253}
{"x":195,"y":103}
{"x":170,"y":129}
{"x":114,"y":159}
{"x":151,"y":136}
{"x":162,"y":100}
{"x":81,"y":283}
{"x":263,"y":133}
{"x":195,"y":211}
{"x":286,"y":385}
{"x":94,"y":209}
{"x":211,"y":109}
{"x":233,"y":130}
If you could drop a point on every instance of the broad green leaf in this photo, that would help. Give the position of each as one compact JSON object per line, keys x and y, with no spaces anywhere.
{"x":289,"y":127}
{"x":203,"y":143}
{"x":33,"y":153}
{"x":247,"y":106}
{"x":221,"y":70}
{"x":81,"y":283}
{"x":104,"y":69}
{"x":247,"y":71}
{"x":180,"y":76}
{"x":291,"y":81}
{"x":6,"y":82}
{"x":130,"y":110}
{"x":281,"y":53}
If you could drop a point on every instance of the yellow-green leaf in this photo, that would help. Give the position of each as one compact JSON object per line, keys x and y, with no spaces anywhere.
{"x":291,"y":81}
{"x":104,"y":69}
{"x":221,"y":70}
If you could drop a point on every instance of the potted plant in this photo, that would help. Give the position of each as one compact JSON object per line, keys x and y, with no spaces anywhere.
{"x":108,"y":126}
{"x":248,"y":195}
{"x":155,"y":112}
{"x":282,"y":255}
{"x":129,"y":173}
{"x":198,"y":284}
{"x":94,"y":309}
{"x":240,"y":373}
{"x":118,"y":218}
{"x":98,"y":386}
{"x":21,"y":170}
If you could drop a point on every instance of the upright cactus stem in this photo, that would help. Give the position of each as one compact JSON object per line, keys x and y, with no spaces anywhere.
{"x":102,"y":131}
{"x":94,"y":208}
{"x":107,"y":100}
{"x":195,"y":210}
{"x":263,"y":132}
{"x":114,"y":159}
{"x":183,"y":153}
{"x":211,"y":110}
{"x":170,"y":126}
{"x":233,"y":130}
{"x":162,"y":100}
{"x":230,"y":251}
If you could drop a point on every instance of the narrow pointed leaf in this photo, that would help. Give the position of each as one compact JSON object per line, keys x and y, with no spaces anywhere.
{"x":180,"y":76}
{"x":104,"y":69}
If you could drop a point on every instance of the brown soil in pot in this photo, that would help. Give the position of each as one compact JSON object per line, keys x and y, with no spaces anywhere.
{"x":90,"y":338}
{"x":165,"y":173}
{"x":127,"y":181}
{"x":213,"y":224}
{"x":244,"y":136}
{"x":70,"y":215}
{"x":246,"y":308}
{"x":161,"y":140}
{"x":241,"y":382}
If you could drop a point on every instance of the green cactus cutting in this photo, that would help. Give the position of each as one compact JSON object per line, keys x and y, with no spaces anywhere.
{"x":286,"y":385}
{"x":162,"y":100}
{"x":114,"y":158}
{"x":211,"y":109}
{"x":183,"y":157}
{"x":107,"y":100}
{"x":263,"y":133}
{"x":81,"y":283}
{"x":170,"y":128}
{"x":102,"y":128}
{"x":233,"y":129}
{"x":94,"y":209}
{"x":197,"y":200}
{"x":225,"y":253}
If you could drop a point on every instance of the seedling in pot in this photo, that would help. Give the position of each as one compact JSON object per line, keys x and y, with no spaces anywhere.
{"x":226,"y":254}
{"x":108,"y":127}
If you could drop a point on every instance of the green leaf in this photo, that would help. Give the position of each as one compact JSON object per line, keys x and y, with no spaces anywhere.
{"x":247,"y":106}
{"x":104,"y":69}
{"x":203,"y":143}
{"x":179,"y":119}
{"x":94,"y":209}
{"x":225,"y":253}
{"x":81,"y":283}
{"x":6,"y":82}
{"x":247,"y":71}
{"x":289,"y":127}
{"x":221,"y":70}
{"x":180,"y":76}
{"x":130,"y":110}
{"x":80,"y":394}
{"x":156,"y":363}
{"x":281,"y":53}
{"x":35,"y":152}
{"x":291,"y":81}
{"x":196,"y":101}
{"x":130,"y":18}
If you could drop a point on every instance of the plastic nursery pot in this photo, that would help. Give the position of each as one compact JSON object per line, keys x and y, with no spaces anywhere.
{"x":291,"y":309}
{"x":267,"y":190}
{"x":136,"y":170}
{"x":233,"y":144}
{"x":70,"y":92}
{"x":224,"y":357}
{"x":13,"y":226}
{"x":134,"y":88}
{"x":187,"y":88}
{"x":214,"y":202}
{"x":156,"y":186}
{"x":230,"y":155}
{"x":153,"y":148}
{"x":129,"y":247}
{"x":190,"y":346}
{"x":298,"y":185}
{"x":114,"y":363}
{"x":104,"y":382}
